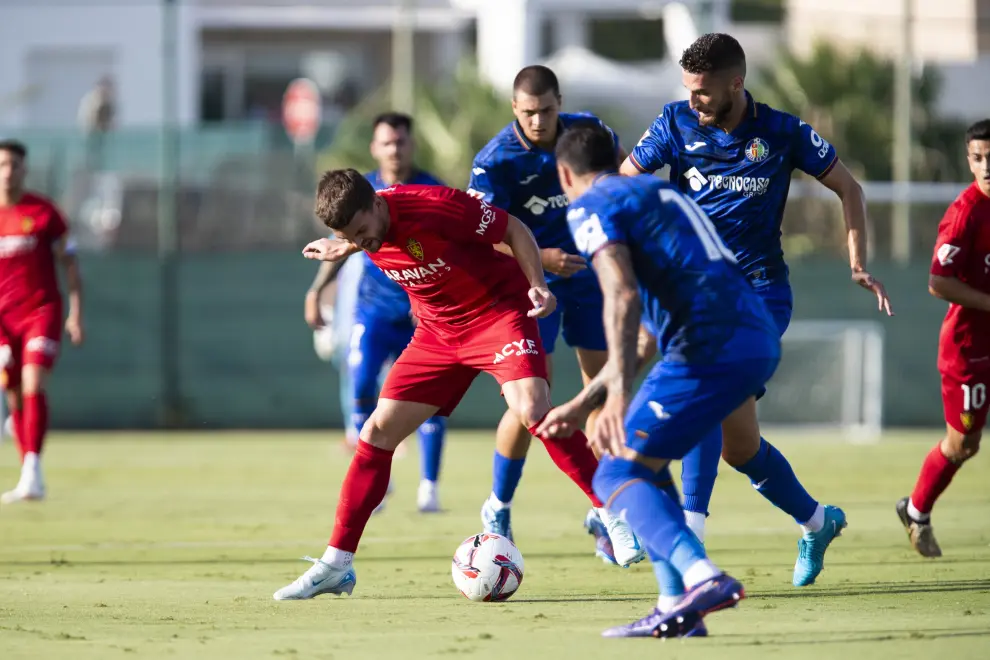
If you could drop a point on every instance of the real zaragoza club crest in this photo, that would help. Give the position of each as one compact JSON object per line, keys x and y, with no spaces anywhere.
{"x":415,"y":249}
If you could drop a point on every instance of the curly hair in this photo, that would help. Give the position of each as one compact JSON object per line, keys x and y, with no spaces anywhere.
{"x":714,"y":53}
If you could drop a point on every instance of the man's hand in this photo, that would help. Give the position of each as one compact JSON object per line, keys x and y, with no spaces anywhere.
{"x":609,"y":435}
{"x":311,"y":310}
{"x":74,"y":328}
{"x":563,"y":421}
{"x":543,"y":301}
{"x":558,"y":262}
{"x":870,"y":283}
{"x":326,"y":249}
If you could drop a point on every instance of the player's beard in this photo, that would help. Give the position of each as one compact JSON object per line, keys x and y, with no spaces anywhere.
{"x":717,"y":115}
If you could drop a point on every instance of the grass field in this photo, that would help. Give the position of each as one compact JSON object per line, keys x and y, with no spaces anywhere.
{"x":171,"y":546}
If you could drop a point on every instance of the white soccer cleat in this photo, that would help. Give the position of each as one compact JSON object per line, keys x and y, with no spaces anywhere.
{"x":381,"y":505}
{"x":427,"y":498}
{"x":30,"y":487}
{"x":320,"y":578}
{"x":33,"y":491}
{"x":625,"y":546}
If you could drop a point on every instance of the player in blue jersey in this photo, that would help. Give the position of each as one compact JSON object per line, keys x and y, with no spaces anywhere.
{"x":383,"y":322}
{"x":734,"y":157}
{"x":517,"y":171}
{"x":657,"y":254}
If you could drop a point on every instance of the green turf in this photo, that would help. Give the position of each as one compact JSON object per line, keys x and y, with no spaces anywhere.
{"x":171,"y":546}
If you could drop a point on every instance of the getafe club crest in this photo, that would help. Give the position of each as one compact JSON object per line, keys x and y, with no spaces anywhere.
{"x":757,"y":150}
{"x":415,"y":249}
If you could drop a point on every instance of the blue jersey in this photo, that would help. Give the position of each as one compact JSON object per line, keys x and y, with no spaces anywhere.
{"x":701,"y":307}
{"x":379,"y":296}
{"x":514,"y":174}
{"x":739,"y":179}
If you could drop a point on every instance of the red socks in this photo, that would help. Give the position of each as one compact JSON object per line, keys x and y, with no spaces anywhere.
{"x":363,"y":489}
{"x":35,"y":422}
{"x":574,"y":458}
{"x":936,"y":474}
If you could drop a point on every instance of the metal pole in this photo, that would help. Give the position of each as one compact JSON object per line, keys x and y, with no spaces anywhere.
{"x":403,"y":57}
{"x":168,"y":243}
{"x":901,"y":166}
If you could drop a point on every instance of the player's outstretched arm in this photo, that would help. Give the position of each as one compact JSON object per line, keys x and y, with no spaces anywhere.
{"x":330,"y":249}
{"x":841,"y":181}
{"x":325,"y":275}
{"x":524,"y":248}
{"x":628,"y":168}
{"x":953,"y":290}
{"x":66,"y":254}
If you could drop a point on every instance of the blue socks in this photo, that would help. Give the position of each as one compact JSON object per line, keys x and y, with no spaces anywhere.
{"x":772,"y":475}
{"x":431,"y":433}
{"x":506,"y":473}
{"x":699,"y":469}
{"x":630,"y":489}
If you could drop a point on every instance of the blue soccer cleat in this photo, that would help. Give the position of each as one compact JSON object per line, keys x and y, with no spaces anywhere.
{"x":648,"y":626}
{"x":812,"y":547}
{"x":496,"y":522}
{"x":603,"y":544}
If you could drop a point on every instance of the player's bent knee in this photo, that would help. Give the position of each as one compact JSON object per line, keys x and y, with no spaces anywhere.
{"x":33,"y":378}
{"x":960,"y":447}
{"x":614,"y":473}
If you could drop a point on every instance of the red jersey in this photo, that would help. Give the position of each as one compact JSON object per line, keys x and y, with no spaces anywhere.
{"x":28,"y":231}
{"x":962,"y":251}
{"x":439,"y":249}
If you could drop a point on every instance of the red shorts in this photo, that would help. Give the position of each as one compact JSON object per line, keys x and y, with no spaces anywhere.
{"x":438,"y":370}
{"x":964,"y":398}
{"x":32,"y":338}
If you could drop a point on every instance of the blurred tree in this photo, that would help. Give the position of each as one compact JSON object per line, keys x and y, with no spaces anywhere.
{"x":453,"y":121}
{"x":849,"y":99}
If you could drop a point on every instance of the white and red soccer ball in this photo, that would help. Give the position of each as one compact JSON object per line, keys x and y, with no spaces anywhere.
{"x":487,"y":568}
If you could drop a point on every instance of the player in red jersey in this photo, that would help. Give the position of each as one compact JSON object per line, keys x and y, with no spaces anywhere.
{"x":960,"y":274}
{"x":33,"y":237}
{"x":477,"y":310}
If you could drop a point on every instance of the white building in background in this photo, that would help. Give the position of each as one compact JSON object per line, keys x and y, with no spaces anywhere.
{"x":951,"y":35}
{"x":235,"y":57}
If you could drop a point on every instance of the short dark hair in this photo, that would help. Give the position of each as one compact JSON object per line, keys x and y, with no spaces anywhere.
{"x":586,"y":147}
{"x":536,"y":80}
{"x":341,"y":194}
{"x":978,"y":131}
{"x":396,"y":120}
{"x":715,"y":52}
{"x":14,"y":147}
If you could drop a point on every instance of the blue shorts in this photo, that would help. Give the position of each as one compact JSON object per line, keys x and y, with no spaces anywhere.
{"x":679,"y":404}
{"x":579,"y":311}
{"x":780,"y":301}
{"x":374,"y":341}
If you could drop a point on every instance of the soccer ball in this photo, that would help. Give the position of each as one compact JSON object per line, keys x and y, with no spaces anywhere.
{"x":487,"y":567}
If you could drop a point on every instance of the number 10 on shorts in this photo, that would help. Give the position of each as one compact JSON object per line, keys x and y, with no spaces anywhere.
{"x":974,"y":396}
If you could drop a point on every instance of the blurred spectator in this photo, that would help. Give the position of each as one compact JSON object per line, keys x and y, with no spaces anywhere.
{"x":97,"y":112}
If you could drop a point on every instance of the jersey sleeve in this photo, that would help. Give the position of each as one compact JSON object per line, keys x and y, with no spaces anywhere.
{"x":485,"y":184}
{"x":653,"y":150}
{"x":465,"y":218}
{"x":952,"y":247}
{"x":593,"y":230}
{"x":810,"y":153}
{"x":56,"y":227}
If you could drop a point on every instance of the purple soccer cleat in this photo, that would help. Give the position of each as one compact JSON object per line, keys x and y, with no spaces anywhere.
{"x":649,"y":625}
{"x":720,"y":592}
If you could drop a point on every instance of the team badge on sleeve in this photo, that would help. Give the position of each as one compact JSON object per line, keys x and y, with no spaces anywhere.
{"x":415,"y":249}
{"x":945,"y":253}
